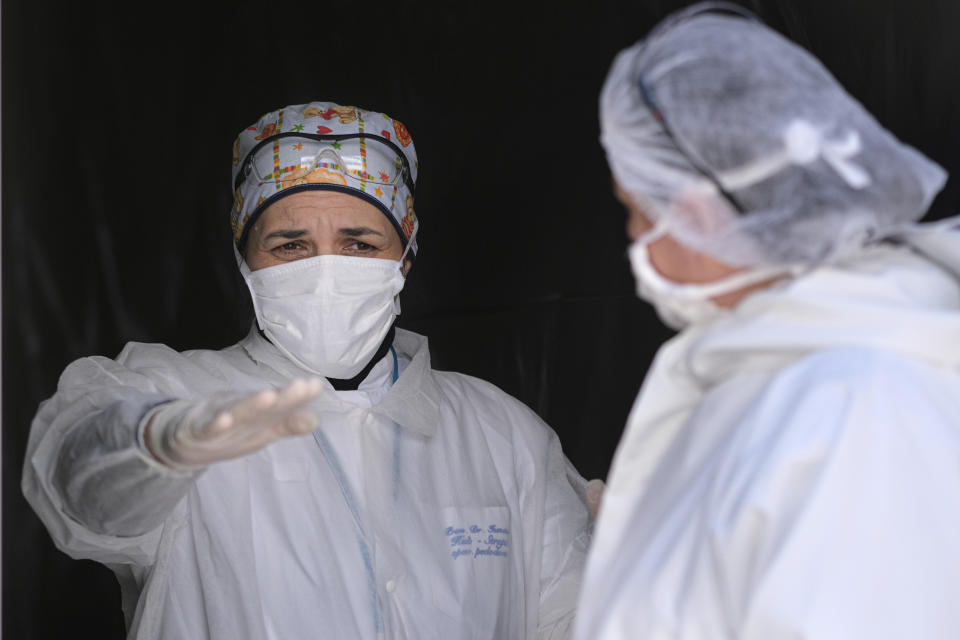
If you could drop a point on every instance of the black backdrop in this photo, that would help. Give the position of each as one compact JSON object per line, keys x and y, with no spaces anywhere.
{"x":118,"y":119}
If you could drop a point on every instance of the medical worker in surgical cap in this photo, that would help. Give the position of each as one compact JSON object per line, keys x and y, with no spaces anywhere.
{"x":791,"y":466}
{"x":319,"y":479}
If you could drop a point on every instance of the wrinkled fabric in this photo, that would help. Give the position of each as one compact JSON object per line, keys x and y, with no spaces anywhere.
{"x":790,"y":471}
{"x":433,"y":507}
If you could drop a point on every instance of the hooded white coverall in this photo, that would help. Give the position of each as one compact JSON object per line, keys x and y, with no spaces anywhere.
{"x":793,"y":469}
{"x":435,"y":507}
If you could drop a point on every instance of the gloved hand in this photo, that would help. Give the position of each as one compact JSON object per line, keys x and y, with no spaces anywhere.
{"x":188,"y":434}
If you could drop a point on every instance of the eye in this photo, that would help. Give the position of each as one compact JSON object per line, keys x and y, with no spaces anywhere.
{"x":291,"y":249}
{"x":359,"y":247}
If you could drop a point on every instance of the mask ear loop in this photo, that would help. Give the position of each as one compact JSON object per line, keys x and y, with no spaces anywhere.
{"x":706,"y":290}
{"x":410,"y":242}
{"x":240,"y":260}
{"x":660,"y":229}
{"x":400,"y":263}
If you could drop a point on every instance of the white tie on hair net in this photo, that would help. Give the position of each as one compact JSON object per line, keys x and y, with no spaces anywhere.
{"x":751,"y":149}
{"x":802,"y":144}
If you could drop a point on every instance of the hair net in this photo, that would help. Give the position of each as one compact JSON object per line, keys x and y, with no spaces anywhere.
{"x":749,"y":148}
{"x":325,"y":146}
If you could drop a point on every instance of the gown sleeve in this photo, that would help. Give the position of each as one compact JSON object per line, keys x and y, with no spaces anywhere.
{"x":98,"y":493}
{"x":564,"y":526}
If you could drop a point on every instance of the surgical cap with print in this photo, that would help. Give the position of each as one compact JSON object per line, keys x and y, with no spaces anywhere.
{"x":325,"y":146}
{"x":747,"y":149}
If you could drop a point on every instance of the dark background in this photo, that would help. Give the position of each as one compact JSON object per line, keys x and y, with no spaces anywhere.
{"x":118,"y":121}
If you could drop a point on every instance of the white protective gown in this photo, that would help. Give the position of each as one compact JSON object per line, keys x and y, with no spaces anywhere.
{"x":793,"y":470}
{"x":435,"y":507}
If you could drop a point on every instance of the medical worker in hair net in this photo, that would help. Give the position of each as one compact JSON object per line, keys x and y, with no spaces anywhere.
{"x":791,"y":466}
{"x":319,"y":479}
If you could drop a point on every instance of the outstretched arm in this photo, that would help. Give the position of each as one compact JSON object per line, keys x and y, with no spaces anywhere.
{"x":91,"y":478}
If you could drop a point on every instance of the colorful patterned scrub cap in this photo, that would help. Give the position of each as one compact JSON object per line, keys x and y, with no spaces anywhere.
{"x":325,"y":146}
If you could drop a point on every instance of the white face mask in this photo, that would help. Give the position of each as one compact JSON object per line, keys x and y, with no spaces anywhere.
{"x":328,"y":313}
{"x":680,"y":305}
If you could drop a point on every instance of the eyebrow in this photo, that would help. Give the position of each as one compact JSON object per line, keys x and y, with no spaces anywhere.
{"x":289,"y":234}
{"x":355,"y":232}
{"x":350,"y":232}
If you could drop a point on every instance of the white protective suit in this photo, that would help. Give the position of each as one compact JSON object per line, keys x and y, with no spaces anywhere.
{"x":435,"y":507}
{"x":793,"y":470}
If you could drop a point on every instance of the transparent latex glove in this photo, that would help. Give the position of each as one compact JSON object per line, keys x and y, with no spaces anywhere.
{"x":189,"y":434}
{"x":594,"y":490}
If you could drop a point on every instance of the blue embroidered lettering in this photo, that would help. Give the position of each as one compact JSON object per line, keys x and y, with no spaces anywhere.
{"x":497,"y":542}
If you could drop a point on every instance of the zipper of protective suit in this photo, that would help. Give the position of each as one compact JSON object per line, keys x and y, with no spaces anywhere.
{"x":351,"y":501}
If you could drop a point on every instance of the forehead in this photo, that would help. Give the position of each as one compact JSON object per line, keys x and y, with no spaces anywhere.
{"x":321,"y":209}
